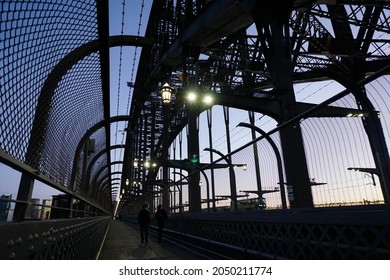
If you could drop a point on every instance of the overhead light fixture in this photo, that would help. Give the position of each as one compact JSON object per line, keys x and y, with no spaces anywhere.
{"x":208,"y":99}
{"x":166,"y":93}
{"x":191,"y":96}
{"x":135,"y":164}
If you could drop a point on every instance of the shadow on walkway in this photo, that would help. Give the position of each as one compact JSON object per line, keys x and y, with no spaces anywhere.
{"x":124,"y":243}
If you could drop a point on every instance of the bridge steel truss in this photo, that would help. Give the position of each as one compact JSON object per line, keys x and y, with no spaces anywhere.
{"x":210,"y":45}
{"x":54,"y":87}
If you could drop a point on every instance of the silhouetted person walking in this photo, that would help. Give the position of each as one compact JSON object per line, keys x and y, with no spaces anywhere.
{"x":144,"y":221}
{"x":162,"y":218}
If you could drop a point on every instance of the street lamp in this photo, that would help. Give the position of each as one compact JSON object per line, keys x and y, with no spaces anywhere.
{"x":180,"y":188}
{"x":207,"y":188}
{"x":278,"y":159}
{"x":166,"y":93}
{"x":232,"y":175}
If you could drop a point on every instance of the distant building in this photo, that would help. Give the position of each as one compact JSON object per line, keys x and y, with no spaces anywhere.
{"x":10,"y":215}
{"x":5,"y":205}
{"x":46,"y":209}
{"x":34,"y":209}
{"x":61,"y":206}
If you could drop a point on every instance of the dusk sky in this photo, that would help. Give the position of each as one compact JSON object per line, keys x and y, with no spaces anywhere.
{"x":123,"y":70}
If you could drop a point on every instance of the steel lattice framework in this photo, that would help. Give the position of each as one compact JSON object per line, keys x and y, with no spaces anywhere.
{"x":51,"y":93}
{"x":55,"y":119}
{"x":230,"y":47}
{"x":54,"y":74}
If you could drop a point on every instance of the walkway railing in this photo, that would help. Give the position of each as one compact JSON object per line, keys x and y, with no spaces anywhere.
{"x":335,"y":233}
{"x":75,"y":239}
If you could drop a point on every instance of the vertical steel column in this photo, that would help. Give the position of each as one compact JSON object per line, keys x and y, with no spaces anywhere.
{"x":173,"y":203}
{"x":181,"y":157}
{"x":24,"y":195}
{"x":232,"y":176}
{"x":193,"y":149}
{"x":135,"y":154}
{"x":271,"y":19}
{"x":165,"y":147}
{"x":191,"y":57}
{"x":209,"y":123}
{"x":374,"y":130}
{"x":144,"y":144}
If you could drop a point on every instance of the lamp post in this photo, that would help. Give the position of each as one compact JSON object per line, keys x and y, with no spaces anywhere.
{"x":196,"y":101}
{"x":278,"y":159}
{"x":166,"y":97}
{"x":232,"y":175}
{"x":180,"y":188}
{"x":207,"y":188}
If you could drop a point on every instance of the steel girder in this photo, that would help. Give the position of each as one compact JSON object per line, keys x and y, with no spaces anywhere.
{"x":216,"y":47}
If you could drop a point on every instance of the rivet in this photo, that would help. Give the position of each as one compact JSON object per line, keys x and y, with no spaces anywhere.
{"x":19,"y":240}
{"x":10,"y":243}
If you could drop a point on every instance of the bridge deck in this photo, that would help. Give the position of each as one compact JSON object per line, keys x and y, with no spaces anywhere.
{"x":124,"y":243}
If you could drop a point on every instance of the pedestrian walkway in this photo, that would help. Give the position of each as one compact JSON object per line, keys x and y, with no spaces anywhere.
{"x":124,"y":243}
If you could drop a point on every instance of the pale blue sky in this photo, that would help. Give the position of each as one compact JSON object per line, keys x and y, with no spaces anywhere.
{"x":10,"y":177}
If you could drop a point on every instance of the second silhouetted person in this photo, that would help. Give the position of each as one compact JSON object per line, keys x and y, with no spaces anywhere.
{"x":144,"y":221}
{"x":161,"y":218}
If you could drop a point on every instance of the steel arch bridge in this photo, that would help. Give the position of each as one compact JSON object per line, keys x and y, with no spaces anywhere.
{"x":325,"y":157}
